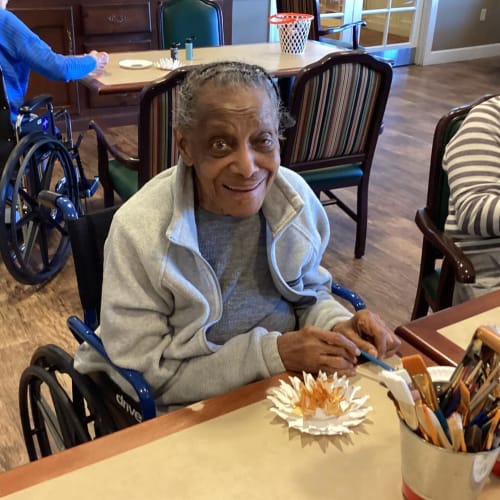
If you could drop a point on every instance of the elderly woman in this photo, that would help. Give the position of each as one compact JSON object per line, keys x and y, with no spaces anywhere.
{"x":21,"y":51}
{"x":212,"y":274}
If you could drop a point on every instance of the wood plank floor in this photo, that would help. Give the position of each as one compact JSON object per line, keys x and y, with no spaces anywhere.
{"x":385,"y":277}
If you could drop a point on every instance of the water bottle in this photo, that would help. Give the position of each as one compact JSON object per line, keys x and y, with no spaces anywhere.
{"x":189,"y":49}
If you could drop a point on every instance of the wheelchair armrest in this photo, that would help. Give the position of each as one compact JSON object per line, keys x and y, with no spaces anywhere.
{"x":336,"y":29}
{"x":33,"y":104}
{"x":343,"y":27}
{"x":345,"y":293}
{"x":103,"y":143}
{"x":51,"y":199}
{"x":462,"y":267}
{"x":83,"y":333}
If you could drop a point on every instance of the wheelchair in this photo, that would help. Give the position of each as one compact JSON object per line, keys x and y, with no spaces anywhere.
{"x":61,"y":408}
{"x":35,"y":155}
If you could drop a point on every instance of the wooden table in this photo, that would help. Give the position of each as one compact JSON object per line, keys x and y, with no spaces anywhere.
{"x":116,"y":79}
{"x":442,"y":336}
{"x":230,"y":446}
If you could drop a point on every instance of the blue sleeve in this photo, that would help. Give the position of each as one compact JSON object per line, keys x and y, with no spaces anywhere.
{"x":40,"y":57}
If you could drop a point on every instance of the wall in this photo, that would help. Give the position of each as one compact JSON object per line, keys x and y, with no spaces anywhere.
{"x":458,"y":25}
{"x":250,"y":23}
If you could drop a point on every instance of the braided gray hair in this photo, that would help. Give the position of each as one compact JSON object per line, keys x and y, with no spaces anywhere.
{"x":226,"y":74}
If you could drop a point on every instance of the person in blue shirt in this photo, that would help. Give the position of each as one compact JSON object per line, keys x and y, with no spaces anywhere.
{"x":22,"y":51}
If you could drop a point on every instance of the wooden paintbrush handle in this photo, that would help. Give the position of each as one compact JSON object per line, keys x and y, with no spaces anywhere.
{"x":487,"y":335}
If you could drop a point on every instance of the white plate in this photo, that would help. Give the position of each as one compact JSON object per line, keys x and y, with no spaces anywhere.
{"x":286,"y":396}
{"x":135,"y":63}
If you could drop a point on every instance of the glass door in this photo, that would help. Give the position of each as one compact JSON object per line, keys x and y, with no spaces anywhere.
{"x":392,"y":25}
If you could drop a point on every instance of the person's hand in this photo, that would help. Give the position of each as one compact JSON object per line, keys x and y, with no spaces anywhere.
{"x":369,"y":333}
{"x":312,"y":349}
{"x":101,"y":58}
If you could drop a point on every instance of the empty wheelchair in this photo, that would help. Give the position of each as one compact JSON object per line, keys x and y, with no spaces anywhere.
{"x":35,"y":155}
{"x":61,"y":408}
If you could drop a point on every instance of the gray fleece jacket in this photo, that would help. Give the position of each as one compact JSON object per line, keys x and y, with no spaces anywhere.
{"x":160,"y":295}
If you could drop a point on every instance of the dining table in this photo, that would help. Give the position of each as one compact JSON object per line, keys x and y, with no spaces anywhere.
{"x":443,"y":335}
{"x":132,"y":71}
{"x":231,"y":446}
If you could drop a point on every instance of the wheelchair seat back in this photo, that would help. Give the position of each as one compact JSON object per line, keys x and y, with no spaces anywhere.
{"x":88,"y":234}
{"x":7,"y":133}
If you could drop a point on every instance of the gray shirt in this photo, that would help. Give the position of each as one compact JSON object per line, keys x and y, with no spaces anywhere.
{"x":235,"y":248}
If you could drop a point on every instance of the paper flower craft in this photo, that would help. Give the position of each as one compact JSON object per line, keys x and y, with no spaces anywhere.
{"x":322,"y":405}
{"x":168,"y":63}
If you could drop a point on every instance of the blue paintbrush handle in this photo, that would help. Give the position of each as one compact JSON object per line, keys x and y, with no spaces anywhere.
{"x":377,"y":361}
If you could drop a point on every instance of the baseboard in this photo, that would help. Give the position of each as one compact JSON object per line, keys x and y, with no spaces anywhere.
{"x":462,"y":54}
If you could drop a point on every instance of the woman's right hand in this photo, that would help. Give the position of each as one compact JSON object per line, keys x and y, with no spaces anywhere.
{"x":311,"y":349}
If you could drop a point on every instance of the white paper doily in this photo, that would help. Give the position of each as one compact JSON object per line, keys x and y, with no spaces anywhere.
{"x":351,"y":411}
{"x":167,"y":63}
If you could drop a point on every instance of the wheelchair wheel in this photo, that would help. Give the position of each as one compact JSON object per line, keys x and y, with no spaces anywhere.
{"x":33,"y":239}
{"x":59,"y":407}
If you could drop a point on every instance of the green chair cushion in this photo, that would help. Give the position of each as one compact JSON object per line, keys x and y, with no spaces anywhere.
{"x":345,"y":174}
{"x":430,"y":283}
{"x":124,"y":180}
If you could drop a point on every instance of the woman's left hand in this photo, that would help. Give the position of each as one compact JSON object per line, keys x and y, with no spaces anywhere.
{"x":101,"y":59}
{"x":370,"y":334}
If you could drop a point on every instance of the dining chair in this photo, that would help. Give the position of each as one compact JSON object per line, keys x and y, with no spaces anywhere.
{"x":338,"y":104}
{"x":317,"y":31}
{"x":200,"y":20}
{"x":442,"y":263}
{"x":157,"y":150}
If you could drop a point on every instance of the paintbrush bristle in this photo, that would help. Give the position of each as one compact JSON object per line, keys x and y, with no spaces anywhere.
{"x":414,"y":364}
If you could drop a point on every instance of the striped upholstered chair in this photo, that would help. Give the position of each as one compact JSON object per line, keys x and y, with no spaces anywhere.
{"x":338,"y":104}
{"x":123,"y":174}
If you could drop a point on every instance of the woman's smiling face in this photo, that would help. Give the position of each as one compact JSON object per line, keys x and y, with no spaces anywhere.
{"x":233,"y":148}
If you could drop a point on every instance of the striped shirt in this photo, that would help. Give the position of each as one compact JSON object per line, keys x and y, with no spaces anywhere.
{"x":472,"y":161}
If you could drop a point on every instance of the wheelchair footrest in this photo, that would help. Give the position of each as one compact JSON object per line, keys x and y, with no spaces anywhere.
{"x":88,"y":187}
